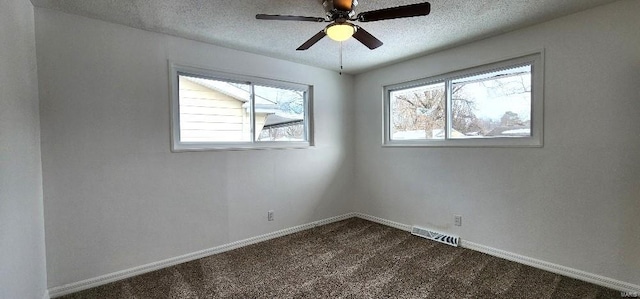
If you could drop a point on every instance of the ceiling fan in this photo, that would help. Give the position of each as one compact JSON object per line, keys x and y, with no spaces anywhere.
{"x":341,"y":12}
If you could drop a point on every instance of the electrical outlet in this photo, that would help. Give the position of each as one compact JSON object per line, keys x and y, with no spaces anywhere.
{"x":457,"y":220}
{"x":270,"y":215}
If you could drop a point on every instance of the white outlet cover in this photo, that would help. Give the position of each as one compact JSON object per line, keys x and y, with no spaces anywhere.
{"x":458,"y":220}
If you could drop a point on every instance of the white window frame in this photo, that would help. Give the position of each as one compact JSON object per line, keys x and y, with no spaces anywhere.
{"x":536,"y":60}
{"x":180,"y":146}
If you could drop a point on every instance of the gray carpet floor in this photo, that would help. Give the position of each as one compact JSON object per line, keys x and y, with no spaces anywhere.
{"x":353,"y":258}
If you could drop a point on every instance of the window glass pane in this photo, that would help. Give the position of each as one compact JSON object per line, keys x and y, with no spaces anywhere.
{"x":214,"y":111}
{"x":495,"y":104}
{"x":417,"y":113}
{"x":279,"y":114}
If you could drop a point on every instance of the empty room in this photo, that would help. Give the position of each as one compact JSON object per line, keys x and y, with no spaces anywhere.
{"x":319,"y":149}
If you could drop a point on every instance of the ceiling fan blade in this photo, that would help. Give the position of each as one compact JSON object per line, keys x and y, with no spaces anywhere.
{"x":366,"y":38}
{"x":412,"y":10}
{"x":312,"y":41}
{"x":343,"y":5}
{"x":289,"y":18}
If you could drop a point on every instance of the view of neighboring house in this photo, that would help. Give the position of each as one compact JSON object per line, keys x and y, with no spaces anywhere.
{"x":219,"y":111}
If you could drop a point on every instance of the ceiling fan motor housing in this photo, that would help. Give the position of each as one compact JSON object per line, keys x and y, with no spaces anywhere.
{"x":340,"y":9}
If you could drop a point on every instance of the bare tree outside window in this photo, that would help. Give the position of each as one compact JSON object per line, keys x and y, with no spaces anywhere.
{"x":488,"y":105}
{"x":418,"y":113}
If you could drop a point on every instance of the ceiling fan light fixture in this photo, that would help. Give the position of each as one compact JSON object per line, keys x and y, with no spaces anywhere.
{"x":340,"y":31}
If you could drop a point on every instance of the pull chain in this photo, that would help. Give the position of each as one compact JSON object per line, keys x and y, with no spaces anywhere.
{"x":340,"y":58}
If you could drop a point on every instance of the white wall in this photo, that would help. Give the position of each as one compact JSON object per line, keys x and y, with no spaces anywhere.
{"x":116,"y":197}
{"x":574,"y":202}
{"x":22,"y":256}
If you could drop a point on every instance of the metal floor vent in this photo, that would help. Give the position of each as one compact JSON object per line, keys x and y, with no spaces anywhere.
{"x":436,"y":236}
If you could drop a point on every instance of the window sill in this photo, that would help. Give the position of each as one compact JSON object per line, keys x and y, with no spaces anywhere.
{"x":494,"y":142}
{"x":203,"y":147}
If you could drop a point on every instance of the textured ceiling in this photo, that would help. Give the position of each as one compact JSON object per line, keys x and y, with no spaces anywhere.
{"x":232,"y":24}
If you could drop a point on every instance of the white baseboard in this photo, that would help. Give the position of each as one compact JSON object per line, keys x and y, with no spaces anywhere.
{"x":382,"y":221}
{"x":555,"y":268}
{"x":547,"y":266}
{"x":108,"y":278}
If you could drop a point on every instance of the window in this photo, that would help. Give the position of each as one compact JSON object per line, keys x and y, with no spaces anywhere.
{"x":493,"y":105}
{"x":213,"y":110}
